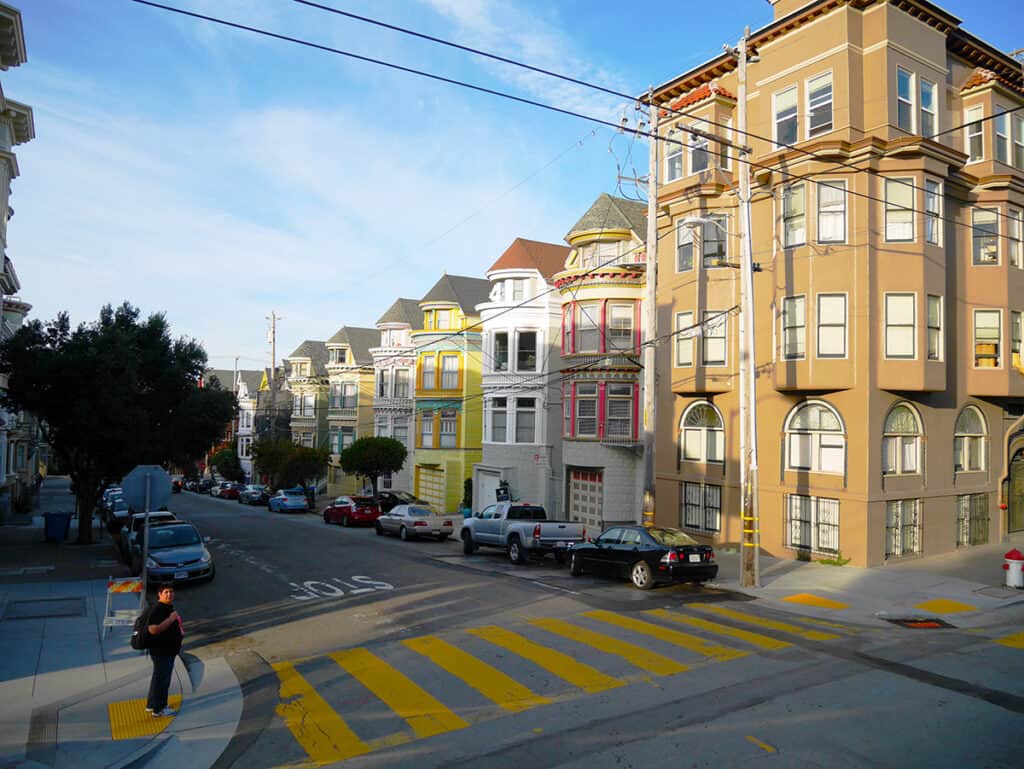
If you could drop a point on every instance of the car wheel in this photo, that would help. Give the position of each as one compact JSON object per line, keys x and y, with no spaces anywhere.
{"x":641,"y":576}
{"x":344,"y":521}
{"x":403,"y":534}
{"x":575,"y":565}
{"x":516,"y":552}
{"x":326,"y":519}
{"x":468,"y":546}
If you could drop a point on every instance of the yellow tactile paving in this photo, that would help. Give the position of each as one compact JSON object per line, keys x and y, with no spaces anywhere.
{"x":321,"y":732}
{"x":425,"y":714}
{"x":129,"y":719}
{"x":785,"y":627}
{"x":685,"y":640}
{"x":1015,"y":641}
{"x":501,"y":689}
{"x":556,"y":663}
{"x":809,"y":599}
{"x":944,"y":606}
{"x":756,"y":639}
{"x":642,"y":658}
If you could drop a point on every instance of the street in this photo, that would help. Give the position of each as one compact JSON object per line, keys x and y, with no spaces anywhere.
{"x":408,"y":654}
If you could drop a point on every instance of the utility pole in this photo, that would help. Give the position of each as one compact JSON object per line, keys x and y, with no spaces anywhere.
{"x":273,"y":374}
{"x":650,"y":314}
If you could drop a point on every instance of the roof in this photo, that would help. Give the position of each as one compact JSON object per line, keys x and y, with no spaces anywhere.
{"x":546,"y":258}
{"x":402,"y":311}
{"x":609,"y":213}
{"x":705,"y":91}
{"x":252,"y":379}
{"x":316,"y":352}
{"x":225,"y":377}
{"x":12,"y":37}
{"x":359,"y":341}
{"x":465,"y":292}
{"x":981,"y":76}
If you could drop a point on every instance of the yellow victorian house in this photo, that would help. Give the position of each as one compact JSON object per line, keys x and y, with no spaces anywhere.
{"x":350,"y":399}
{"x":448,"y":402}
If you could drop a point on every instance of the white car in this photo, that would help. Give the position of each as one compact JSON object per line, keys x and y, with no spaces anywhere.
{"x":414,"y":521}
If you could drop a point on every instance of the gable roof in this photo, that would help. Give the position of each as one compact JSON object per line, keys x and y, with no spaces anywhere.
{"x":316,"y":352}
{"x":225,"y":376}
{"x":359,"y":341}
{"x":546,"y":258}
{"x":402,"y":311}
{"x":465,"y":292}
{"x":610,"y":213}
{"x":252,"y":379}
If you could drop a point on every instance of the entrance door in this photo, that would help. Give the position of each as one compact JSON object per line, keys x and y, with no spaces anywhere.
{"x":430,"y":487}
{"x":586,"y":498}
{"x":1015,"y":519}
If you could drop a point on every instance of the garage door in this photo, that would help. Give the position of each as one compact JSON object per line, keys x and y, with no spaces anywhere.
{"x":586,"y":497}
{"x":430,"y":486}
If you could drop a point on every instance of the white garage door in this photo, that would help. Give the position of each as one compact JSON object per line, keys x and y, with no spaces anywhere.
{"x":430,"y":486}
{"x":586,"y":497}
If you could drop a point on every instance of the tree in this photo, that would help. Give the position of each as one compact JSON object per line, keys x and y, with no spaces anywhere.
{"x":113,"y":394}
{"x":286,"y":464}
{"x":372,"y":457}
{"x":227,"y":464}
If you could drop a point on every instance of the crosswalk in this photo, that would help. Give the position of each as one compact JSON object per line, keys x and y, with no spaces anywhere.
{"x":356,"y":701}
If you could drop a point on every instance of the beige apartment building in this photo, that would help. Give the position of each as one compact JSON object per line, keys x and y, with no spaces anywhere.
{"x":886,"y":201}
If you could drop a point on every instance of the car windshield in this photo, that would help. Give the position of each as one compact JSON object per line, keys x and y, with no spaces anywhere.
{"x":419,"y":512}
{"x":671,"y":537}
{"x":120,"y":504}
{"x":363,"y":500}
{"x":172,"y":536}
{"x":140,"y":523}
{"x":254,"y":488}
{"x":406,"y":496}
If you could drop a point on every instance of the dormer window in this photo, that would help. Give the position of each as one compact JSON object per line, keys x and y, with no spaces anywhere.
{"x":339,"y":356}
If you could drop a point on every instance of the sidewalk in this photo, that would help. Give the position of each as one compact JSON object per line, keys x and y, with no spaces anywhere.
{"x":70,"y":697}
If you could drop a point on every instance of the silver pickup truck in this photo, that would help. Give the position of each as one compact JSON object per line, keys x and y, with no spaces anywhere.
{"x":522,"y":531}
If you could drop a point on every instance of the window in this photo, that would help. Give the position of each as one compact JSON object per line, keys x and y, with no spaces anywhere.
{"x":385,"y":480}
{"x":969,"y":441}
{"x":402,"y":383}
{"x":568,"y":312}
{"x":975,"y":134}
{"x":448,"y":423}
{"x":306,"y":439}
{"x":819,"y":105}
{"x":526,"y":420}
{"x":831,"y":325}
{"x":444,"y":319}
{"x":427,"y":429}
{"x":904,"y":100}
{"x":899,"y":210}
{"x":566,"y":409}
{"x":785,"y":117}
{"x":588,"y":330}
{"x":900,"y":325}
{"x":619,"y":329}
{"x":347,"y":437}
{"x":308,"y":405}
{"x":812,"y":523}
{"x":932,"y":212}
{"x":902,"y":527}
{"x":381,"y":427}
{"x":449,"y":372}
{"x":832,"y":212}
{"x":1016,"y":331}
{"x":335,"y":402}
{"x":244,"y":447}
{"x":428,"y":364}
{"x":988,"y":333}
{"x":794,"y":216}
{"x":713,"y":347}
{"x":499,"y":420}
{"x":1014,"y":229}
{"x":673,"y":155}
{"x":684,"y":246}
{"x":934,"y":327}
{"x":383,"y":375}
{"x":348,"y":395}
{"x":712,"y":240}
{"x":684,"y":338}
{"x":526,"y":351}
{"x":972,"y":520}
{"x":699,"y":157}
{"x":929,"y":98}
{"x":702,"y":434}
{"x":586,"y":409}
{"x":794,"y":326}
{"x":618,"y":424}
{"x":1018,"y":141}
{"x":723,"y":155}
{"x":501,"y":351}
{"x":814,"y":439}
{"x":985,"y":235}
{"x":901,"y":442}
{"x":297,"y":405}
{"x":701,"y":506}
{"x":1001,"y":126}
{"x":400,"y":431}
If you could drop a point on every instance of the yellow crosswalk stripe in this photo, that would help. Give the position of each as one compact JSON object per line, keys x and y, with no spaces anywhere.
{"x":501,"y":689}
{"x":685,"y":640}
{"x":1015,"y":641}
{"x":426,"y":715}
{"x":321,"y":732}
{"x":756,"y":639}
{"x":561,"y":665}
{"x":785,"y":627}
{"x":635,"y":655}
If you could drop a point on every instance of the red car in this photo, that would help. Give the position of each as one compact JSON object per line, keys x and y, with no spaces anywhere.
{"x":230,"y":492}
{"x":349,"y":511}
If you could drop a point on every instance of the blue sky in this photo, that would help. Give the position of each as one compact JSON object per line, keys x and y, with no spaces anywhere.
{"x":215,"y":175}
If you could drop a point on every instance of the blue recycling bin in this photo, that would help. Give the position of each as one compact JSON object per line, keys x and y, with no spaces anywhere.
{"x":57,"y":526}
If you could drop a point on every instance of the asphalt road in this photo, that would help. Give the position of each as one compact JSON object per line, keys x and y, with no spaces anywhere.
{"x":371,"y":652}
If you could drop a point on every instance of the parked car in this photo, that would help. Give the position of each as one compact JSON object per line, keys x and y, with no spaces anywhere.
{"x":386,"y":500}
{"x":106,"y":501}
{"x":177,"y":554}
{"x":219,"y":488}
{"x":352,"y":510}
{"x":204,"y":485}
{"x":522,"y":531}
{"x":175,"y":487}
{"x":289,"y":501}
{"x":414,"y":521}
{"x":131,"y":537}
{"x":254,"y":494}
{"x":231,"y":491}
{"x":116,"y":517}
{"x":645,"y":556}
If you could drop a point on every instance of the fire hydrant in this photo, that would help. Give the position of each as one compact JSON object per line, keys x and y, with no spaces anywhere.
{"x":1014,"y":567}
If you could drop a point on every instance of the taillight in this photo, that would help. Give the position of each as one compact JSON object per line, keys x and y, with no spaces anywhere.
{"x":670,"y":557}
{"x":585,"y":534}
{"x":420,"y":523}
{"x":711,"y":555}
{"x":448,"y":523}
{"x":536,"y":531}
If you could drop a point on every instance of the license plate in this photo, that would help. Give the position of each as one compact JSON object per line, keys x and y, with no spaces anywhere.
{"x":694,"y":558}
{"x":561,"y":545}
{"x":181,"y":575}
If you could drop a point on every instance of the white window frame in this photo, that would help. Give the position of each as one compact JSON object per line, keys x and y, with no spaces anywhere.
{"x":426,"y":436}
{"x":933,"y":212}
{"x":817,"y":529}
{"x":924,"y":114}
{"x":794,"y":306}
{"x":449,"y":376}
{"x":1018,"y":141}
{"x":907,"y":102}
{"x":794,"y":225}
{"x":981,"y":233}
{"x":974,"y":129}
{"x":963,"y":441}
{"x":589,"y":397}
{"x":698,"y":145}
{"x":349,"y":395}
{"x":896,"y":209}
{"x":501,"y":363}
{"x":897,"y":446}
{"x":684,"y":339}
{"x":836,"y":184}
{"x":674,"y":153}
{"x":935,"y":335}
{"x":810,"y":133}
{"x":523,"y":407}
{"x":630,"y":315}
{"x":814,"y":443}
{"x":721,"y":320}
{"x":618,"y":393}
{"x":897,"y":328}
{"x":684,"y":245}
{"x":999,"y":339}
{"x":795,"y":117}
{"x":1001,"y":136}
{"x":448,"y":429}
{"x":536,"y":349}
{"x":701,"y":443}
{"x":495,"y":407}
{"x":401,"y":385}
{"x":1015,"y":238}
{"x":819,"y":325}
{"x":1016,"y":332}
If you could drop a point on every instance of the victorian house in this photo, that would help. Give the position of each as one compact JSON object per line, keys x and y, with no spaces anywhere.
{"x":308,"y":383}
{"x":448,"y":398}
{"x":350,"y":399}
{"x":394,"y":365}
{"x":521,"y":321}
{"x":247,"y":386}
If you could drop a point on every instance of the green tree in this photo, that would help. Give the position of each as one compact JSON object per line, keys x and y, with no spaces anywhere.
{"x":113,"y":394}
{"x":286,"y":464}
{"x":372,"y":457}
{"x":227,"y":464}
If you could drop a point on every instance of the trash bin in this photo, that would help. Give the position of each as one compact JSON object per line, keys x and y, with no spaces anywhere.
{"x":1014,"y":567}
{"x":57,"y":526}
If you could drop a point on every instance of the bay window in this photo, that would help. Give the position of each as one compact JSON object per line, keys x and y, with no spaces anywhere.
{"x":427,"y":429}
{"x":899,"y":210}
{"x":714,"y":344}
{"x":588,"y":327}
{"x":499,"y":420}
{"x":832,"y":212}
{"x":501,"y":351}
{"x":831,"y":325}
{"x":904,"y":100}
{"x":699,"y":158}
{"x":449,"y":372}
{"x":335,"y":396}
{"x":619,"y":411}
{"x":1014,"y":230}
{"x":684,"y":246}
{"x":526,"y":351}
{"x":932,"y":212}
{"x":428,"y":364}
{"x":619,"y":328}
{"x":586,"y":409}
{"x":794,"y":216}
{"x":673,"y":155}
{"x":785,"y":117}
{"x":383,"y":375}
{"x":934,"y":327}
{"x":819,"y":105}
{"x":401,"y":383}
{"x":526,"y":419}
{"x":900,"y":325}
{"x":985,"y":236}
{"x":713,"y":240}
{"x":929,"y":100}
{"x":448,"y":423}
{"x":794,"y":326}
{"x":684,"y":338}
{"x":975,"y":128}
{"x":988,"y":334}
{"x":1001,"y":140}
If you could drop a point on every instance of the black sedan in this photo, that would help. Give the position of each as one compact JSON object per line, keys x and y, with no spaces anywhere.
{"x":645,"y":556}
{"x":386,"y":500}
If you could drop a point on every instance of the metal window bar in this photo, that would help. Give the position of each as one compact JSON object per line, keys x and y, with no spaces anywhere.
{"x":712,"y":508}
{"x":692,"y":505}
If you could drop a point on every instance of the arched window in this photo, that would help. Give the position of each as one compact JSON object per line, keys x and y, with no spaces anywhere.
{"x":815,"y":439}
{"x":702,"y":434}
{"x":901,"y":442}
{"x":969,"y":441}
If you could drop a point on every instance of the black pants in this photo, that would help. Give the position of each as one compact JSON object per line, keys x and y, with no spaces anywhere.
{"x":160,"y":683}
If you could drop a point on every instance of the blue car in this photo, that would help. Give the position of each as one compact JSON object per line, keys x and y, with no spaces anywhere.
{"x":289,"y":501}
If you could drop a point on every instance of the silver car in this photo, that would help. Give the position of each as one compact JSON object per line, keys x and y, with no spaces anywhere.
{"x":414,"y":521}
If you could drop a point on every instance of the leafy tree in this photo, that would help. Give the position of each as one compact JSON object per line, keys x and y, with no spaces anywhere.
{"x":113,"y":394}
{"x":372,"y":457}
{"x":286,"y":464}
{"x":227,"y":464}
